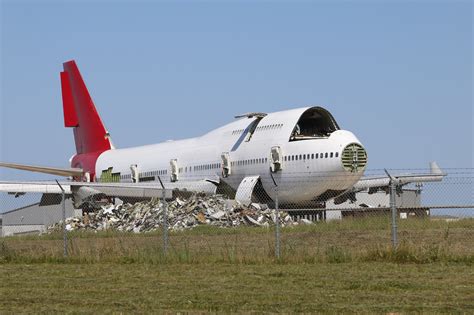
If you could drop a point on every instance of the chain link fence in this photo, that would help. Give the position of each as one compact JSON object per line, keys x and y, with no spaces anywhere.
{"x":289,"y":218}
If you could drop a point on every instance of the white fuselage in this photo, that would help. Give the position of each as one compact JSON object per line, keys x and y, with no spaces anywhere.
{"x":302,"y":178}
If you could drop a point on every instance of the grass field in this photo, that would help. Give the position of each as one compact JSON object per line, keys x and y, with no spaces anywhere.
{"x":321,"y":287}
{"x":421,"y":241}
{"x":334,"y":267}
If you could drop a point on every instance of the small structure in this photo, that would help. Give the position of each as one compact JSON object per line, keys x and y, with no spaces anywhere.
{"x":407,"y":200}
{"x":34,"y":219}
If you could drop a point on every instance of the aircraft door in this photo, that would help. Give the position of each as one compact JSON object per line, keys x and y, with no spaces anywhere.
{"x":226,"y":164}
{"x":174,"y":170}
{"x":276,"y":159}
{"x":134,"y":169}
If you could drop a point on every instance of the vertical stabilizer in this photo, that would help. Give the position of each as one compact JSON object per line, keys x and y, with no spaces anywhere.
{"x":80,"y":113}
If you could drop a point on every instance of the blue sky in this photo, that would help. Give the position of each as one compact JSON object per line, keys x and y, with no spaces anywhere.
{"x":398,"y":75}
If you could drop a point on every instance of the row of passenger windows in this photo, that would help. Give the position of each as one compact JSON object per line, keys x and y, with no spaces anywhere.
{"x":266,"y":127}
{"x":205,"y":167}
{"x":237,"y":132}
{"x":215,"y":166}
{"x":146,"y":174}
{"x":269,"y":127}
{"x":311,"y":156}
{"x":249,"y":162}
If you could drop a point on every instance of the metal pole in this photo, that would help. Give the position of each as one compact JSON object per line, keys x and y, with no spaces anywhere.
{"x":165,"y":224}
{"x":63,"y":203}
{"x":65,"y":253}
{"x":165,"y":218}
{"x":277,"y":225}
{"x":393,"y":210}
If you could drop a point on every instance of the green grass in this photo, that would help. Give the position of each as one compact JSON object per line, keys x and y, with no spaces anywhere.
{"x":358,"y":240}
{"x":355,"y":287}
{"x":335,"y":267}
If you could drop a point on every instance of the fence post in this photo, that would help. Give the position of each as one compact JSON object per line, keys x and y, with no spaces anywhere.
{"x":393,"y":210}
{"x":165,"y":223}
{"x":63,"y":204}
{"x":277,"y":225}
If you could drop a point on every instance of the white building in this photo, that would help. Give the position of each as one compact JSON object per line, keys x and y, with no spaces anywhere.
{"x":33,"y":218}
{"x":407,"y":201}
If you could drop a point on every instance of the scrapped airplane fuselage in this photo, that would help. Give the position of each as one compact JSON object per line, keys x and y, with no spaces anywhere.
{"x":305,"y":162}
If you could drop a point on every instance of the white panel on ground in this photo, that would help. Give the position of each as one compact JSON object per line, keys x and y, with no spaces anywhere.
{"x":245,"y":190}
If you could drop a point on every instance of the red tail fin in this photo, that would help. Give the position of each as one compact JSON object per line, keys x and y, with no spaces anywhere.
{"x":80,"y":113}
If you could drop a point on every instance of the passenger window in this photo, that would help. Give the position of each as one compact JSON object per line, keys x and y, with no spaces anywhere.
{"x":337,"y":154}
{"x":292,"y":157}
{"x":307,"y":156}
{"x":332,"y":154}
{"x":304,"y":156}
{"x":300,"y":156}
{"x":326,"y":155}
{"x":312,"y":156}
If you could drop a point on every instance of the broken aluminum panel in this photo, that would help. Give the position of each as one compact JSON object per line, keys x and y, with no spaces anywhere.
{"x":245,"y":190}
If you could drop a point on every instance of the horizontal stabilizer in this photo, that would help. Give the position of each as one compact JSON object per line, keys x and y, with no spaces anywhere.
{"x":77,"y":172}
{"x":435,"y":175}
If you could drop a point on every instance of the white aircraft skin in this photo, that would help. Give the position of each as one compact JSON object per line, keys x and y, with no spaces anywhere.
{"x":300,"y":182}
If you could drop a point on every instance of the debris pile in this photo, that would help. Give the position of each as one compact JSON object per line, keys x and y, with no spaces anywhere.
{"x":181,"y":214}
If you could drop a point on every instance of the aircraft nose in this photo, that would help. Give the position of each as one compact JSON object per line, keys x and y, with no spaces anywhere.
{"x":354,"y":158}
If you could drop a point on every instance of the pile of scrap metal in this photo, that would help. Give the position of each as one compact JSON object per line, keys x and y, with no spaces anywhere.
{"x":181,"y":214}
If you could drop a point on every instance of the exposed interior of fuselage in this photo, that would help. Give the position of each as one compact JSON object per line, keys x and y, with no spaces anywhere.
{"x":316,"y":122}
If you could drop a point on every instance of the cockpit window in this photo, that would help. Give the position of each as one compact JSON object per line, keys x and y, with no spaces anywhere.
{"x":315,"y":122}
